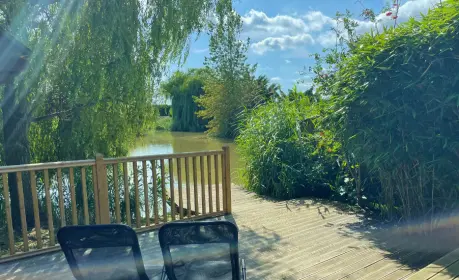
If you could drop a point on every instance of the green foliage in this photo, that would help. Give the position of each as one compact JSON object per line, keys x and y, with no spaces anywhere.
{"x":94,"y":61}
{"x":396,"y":111}
{"x":164,"y":110}
{"x":228,"y":86}
{"x":183,"y":89}
{"x":164,"y":123}
{"x":90,"y":80}
{"x":285,"y":155}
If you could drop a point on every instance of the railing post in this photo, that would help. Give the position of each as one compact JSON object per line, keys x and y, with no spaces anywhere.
{"x":102,"y":190}
{"x":227,"y":180}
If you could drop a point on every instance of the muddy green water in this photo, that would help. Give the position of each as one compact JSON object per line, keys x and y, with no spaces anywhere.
{"x":166,"y":142}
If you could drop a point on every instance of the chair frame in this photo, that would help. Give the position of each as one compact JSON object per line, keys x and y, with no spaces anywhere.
{"x":234,"y":251}
{"x":89,"y":230}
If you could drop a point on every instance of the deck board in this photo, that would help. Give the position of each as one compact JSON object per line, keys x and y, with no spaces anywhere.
{"x":296,"y":239}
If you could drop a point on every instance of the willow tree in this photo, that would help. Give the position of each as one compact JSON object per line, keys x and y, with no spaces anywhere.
{"x":89,"y":84}
{"x":183,"y":89}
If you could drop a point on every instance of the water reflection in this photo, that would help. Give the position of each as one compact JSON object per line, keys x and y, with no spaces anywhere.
{"x":165,"y":142}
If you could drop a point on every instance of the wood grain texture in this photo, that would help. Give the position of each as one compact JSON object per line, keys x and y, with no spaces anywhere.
{"x":9,"y":220}
{"x":172,"y":189}
{"x":36,"y":210}
{"x":61,"y":197}
{"x":179,"y":187}
{"x":217,"y":184}
{"x":163,"y":190}
{"x":203,"y":185}
{"x":195,"y":186}
{"x":73,"y":196}
{"x":146,"y":193}
{"x":209,"y":184}
{"x":84,"y":192}
{"x":188,"y":191}
{"x":136,"y":195}
{"x":25,"y":238}
{"x":116,"y":189}
{"x":49,"y":209}
{"x":155,"y":191}
{"x":127,"y":193}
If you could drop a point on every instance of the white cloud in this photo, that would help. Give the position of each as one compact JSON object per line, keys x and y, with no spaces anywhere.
{"x":288,"y":61}
{"x":282,"y":43}
{"x":296,"y":33}
{"x":316,"y":20}
{"x":327,"y":39}
{"x":258,"y":25}
{"x":275,"y":79}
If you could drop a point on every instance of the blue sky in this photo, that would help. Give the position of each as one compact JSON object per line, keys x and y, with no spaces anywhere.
{"x":284,"y":33}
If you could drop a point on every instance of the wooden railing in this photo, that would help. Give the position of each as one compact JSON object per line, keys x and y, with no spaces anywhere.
{"x":143,"y":192}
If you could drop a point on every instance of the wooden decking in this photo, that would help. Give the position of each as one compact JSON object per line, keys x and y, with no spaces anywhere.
{"x":295,"y":239}
{"x":447,"y":267}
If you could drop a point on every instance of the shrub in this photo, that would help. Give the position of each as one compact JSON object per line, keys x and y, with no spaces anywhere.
{"x":284,"y":156}
{"x":398,"y":112}
{"x":183,"y":88}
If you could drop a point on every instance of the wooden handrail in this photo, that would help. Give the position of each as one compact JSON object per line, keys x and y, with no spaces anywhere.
{"x":162,"y":156}
{"x":47,"y":165}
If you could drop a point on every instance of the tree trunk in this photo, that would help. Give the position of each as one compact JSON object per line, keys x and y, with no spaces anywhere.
{"x":16,"y":147}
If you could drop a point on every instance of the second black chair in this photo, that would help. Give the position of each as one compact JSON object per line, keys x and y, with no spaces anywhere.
{"x":201,"y":250}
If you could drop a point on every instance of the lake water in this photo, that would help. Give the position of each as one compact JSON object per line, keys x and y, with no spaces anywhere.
{"x":166,"y":142}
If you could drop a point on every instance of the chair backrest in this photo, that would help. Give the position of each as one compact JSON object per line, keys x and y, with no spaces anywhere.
{"x":200,"y":250}
{"x":102,"y":252}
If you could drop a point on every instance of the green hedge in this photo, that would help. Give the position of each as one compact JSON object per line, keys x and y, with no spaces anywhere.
{"x":284,"y":156}
{"x":397,"y":98}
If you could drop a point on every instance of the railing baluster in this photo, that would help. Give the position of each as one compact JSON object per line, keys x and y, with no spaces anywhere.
{"x":227,"y":189}
{"x":223,"y":182}
{"x":195,"y":185}
{"x":163,"y":191}
{"x":85,"y":196}
{"x":73,"y":197}
{"x":25,"y":239}
{"x":136,"y":195}
{"x":96,"y":194}
{"x":9,"y":220}
{"x":171,"y":187}
{"x":217,"y":185}
{"x":203,"y":185}
{"x":102,"y":189}
{"x":209,"y":183}
{"x":155,"y":190}
{"x":49,"y":209}
{"x":179,"y":184}
{"x":127,"y":193}
{"x":61,"y":196}
{"x":145,"y":191}
{"x":117,"y":193}
{"x":188,"y":196}
{"x":36,"y":211}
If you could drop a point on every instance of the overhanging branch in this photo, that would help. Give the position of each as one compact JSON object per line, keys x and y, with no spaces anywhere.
{"x":60,"y":113}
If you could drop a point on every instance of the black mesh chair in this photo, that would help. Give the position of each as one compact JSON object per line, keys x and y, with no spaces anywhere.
{"x":201,"y":250}
{"x":102,"y":252}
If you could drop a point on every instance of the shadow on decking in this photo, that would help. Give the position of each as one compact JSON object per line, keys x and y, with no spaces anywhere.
{"x":412,"y":244}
